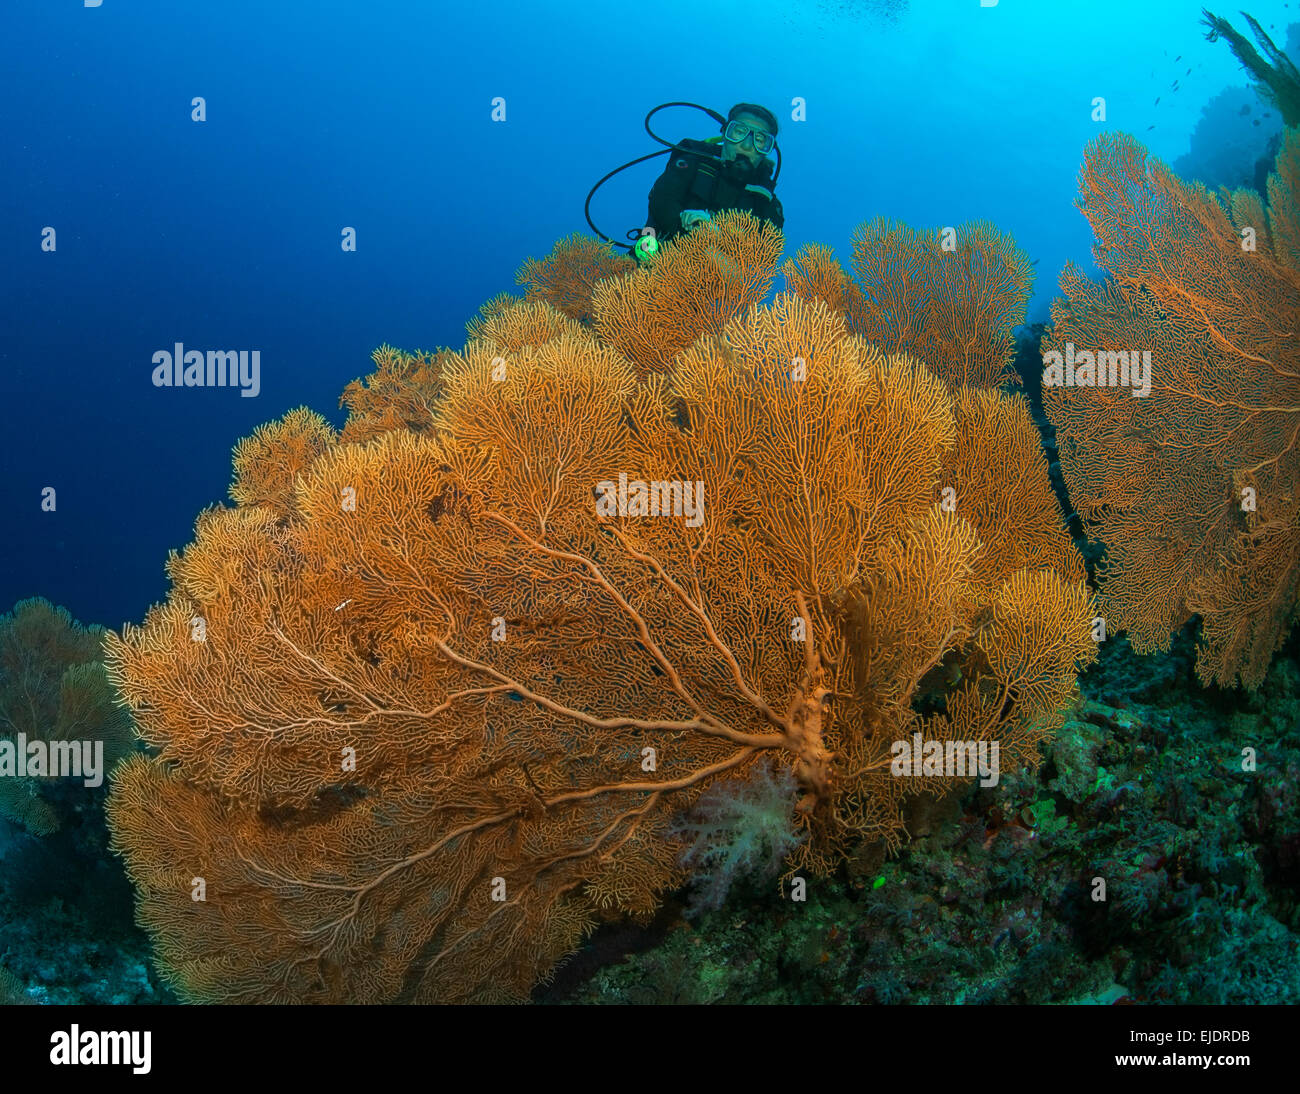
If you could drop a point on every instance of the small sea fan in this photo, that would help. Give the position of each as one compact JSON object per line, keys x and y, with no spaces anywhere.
{"x":739,"y":826}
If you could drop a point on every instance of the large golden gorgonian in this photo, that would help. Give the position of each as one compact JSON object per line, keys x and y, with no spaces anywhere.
{"x":443,"y":712}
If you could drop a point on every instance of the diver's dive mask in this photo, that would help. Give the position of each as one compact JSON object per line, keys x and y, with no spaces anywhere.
{"x":736,"y":132}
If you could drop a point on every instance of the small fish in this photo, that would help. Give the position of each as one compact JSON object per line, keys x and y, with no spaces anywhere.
{"x":1188,"y":72}
{"x":1157,"y":103}
{"x":1245,"y":109}
{"x":1175,"y":85}
{"x":1255,"y":122}
{"x":1178,"y":58}
{"x":1151,"y":127}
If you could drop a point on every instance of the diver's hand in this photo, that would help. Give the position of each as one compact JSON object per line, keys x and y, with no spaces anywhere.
{"x":692,"y":217}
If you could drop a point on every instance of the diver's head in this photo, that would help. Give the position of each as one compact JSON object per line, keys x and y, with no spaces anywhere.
{"x":748,"y":135}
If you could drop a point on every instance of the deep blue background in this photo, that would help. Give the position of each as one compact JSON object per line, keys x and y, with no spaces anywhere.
{"x":377,"y":115}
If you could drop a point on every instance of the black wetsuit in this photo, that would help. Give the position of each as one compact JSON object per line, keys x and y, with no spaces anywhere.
{"x":697,"y":178}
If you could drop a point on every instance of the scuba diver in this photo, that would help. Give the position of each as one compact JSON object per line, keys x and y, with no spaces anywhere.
{"x":730,"y":171}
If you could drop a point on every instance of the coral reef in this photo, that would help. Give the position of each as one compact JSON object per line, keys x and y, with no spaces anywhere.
{"x":53,"y":689}
{"x":567,"y":277}
{"x":950,"y":298}
{"x":64,"y":902}
{"x":457,"y":684}
{"x":710,"y":277}
{"x":992,"y":901}
{"x":1192,"y":487}
{"x":12,"y":990}
{"x":268,"y":463}
{"x":78,"y":948}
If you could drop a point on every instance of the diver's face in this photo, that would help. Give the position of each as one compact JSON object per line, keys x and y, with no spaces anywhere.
{"x":745,"y":150}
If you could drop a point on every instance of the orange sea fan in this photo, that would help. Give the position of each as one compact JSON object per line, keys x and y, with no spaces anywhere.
{"x":268,"y":463}
{"x":567,"y":277}
{"x":699,"y":281}
{"x":399,"y":394}
{"x":950,"y":301}
{"x":1193,"y":485}
{"x":521,"y":323}
{"x":453,"y":698}
{"x":1000,"y":483}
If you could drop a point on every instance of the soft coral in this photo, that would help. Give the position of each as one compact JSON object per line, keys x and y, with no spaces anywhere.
{"x":739,"y":826}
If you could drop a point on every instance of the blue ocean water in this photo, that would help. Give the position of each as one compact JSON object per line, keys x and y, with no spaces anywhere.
{"x":225,"y":232}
